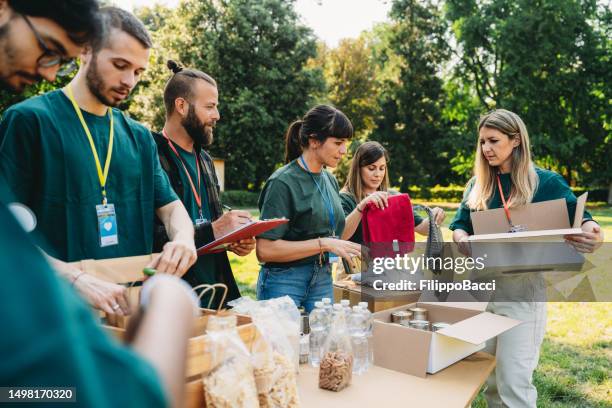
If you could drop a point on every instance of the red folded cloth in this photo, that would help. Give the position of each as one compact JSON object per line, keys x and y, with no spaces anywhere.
{"x":390,"y":231}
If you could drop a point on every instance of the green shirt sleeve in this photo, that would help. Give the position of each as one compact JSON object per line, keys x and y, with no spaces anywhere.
{"x":18,"y":151}
{"x":348,"y":203}
{"x":417,"y":218}
{"x":276,"y":201}
{"x":50,"y":337}
{"x":463,"y":219}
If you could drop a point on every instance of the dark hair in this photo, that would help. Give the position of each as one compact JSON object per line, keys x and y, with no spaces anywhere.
{"x":80,"y":18}
{"x":180,"y":84}
{"x":319,"y":123}
{"x":366,"y":154}
{"x":114,"y":17}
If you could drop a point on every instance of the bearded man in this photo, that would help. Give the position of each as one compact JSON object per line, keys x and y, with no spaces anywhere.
{"x":191,"y":99}
{"x":90,"y":174}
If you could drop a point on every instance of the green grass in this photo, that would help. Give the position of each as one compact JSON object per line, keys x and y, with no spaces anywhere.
{"x":576,"y":357}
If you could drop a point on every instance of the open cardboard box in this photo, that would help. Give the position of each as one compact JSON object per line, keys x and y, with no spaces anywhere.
{"x":356,"y":293}
{"x":418,"y":352}
{"x":540,"y":247}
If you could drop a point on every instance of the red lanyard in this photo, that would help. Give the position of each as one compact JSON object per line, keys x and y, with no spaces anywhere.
{"x":501,"y":193}
{"x":195,"y":192}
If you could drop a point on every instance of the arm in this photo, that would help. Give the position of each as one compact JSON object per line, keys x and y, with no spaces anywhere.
{"x":379,"y":198}
{"x":286,"y":251}
{"x":179,"y":254}
{"x":162,"y":335}
{"x":423,"y":227}
{"x":590,"y":240}
{"x":461,"y":238}
{"x":103,"y":295}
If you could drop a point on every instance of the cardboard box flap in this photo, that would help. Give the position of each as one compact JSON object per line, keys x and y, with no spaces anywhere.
{"x":580,"y":204}
{"x":480,"y":328}
{"x":545,"y":215}
{"x":117,"y":270}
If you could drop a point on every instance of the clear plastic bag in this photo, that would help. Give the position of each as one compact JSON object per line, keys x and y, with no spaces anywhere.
{"x":231,"y":382}
{"x":336,"y":367}
{"x":273,"y":354}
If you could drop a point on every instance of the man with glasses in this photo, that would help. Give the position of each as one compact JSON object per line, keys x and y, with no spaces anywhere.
{"x":29,"y":54}
{"x":49,"y":337}
{"x":90,"y":174}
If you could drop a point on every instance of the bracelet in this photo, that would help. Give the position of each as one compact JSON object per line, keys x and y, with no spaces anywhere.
{"x":77,"y":277}
{"x":358,"y":210}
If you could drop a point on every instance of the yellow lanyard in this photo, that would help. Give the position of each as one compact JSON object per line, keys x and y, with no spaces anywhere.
{"x":102,"y":176}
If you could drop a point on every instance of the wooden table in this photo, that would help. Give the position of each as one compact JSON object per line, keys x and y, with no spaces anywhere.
{"x":455,"y":386}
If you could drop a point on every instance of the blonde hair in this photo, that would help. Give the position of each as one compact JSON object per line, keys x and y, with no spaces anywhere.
{"x":523,"y":175}
{"x":366,"y":154}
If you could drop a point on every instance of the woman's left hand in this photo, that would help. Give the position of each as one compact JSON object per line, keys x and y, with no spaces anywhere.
{"x":590,"y":239}
{"x":439,"y":215}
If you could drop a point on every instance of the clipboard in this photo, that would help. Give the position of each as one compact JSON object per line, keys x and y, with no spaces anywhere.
{"x":252,"y":229}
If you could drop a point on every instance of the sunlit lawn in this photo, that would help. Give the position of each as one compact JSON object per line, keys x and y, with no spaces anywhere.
{"x":576,"y":358}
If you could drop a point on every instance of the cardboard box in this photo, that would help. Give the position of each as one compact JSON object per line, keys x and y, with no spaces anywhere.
{"x":419,"y":352}
{"x":539,"y":248}
{"x":376,"y":300}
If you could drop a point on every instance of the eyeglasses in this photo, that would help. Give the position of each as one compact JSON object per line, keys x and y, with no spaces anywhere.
{"x":51,"y":58}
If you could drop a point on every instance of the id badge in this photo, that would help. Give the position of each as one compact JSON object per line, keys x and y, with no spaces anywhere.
{"x":200,"y":221}
{"x":107,"y":224}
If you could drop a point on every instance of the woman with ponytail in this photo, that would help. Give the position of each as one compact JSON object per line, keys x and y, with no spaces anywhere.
{"x":296,"y":256}
{"x":505,"y":176}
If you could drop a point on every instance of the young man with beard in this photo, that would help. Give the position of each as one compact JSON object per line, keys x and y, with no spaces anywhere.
{"x":49,"y":337}
{"x":90,"y":174}
{"x":191,"y":99}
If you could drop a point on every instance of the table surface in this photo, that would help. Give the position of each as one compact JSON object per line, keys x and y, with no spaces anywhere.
{"x":455,"y":386}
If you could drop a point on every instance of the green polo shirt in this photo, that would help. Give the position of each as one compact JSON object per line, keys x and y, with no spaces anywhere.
{"x":203,"y":271}
{"x":50,"y":338}
{"x":551,"y":186}
{"x":291,"y":192}
{"x":349,"y":204}
{"x":47,"y":161}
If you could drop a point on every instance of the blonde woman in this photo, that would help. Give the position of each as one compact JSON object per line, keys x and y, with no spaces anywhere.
{"x":368,"y":181}
{"x":505,"y":176}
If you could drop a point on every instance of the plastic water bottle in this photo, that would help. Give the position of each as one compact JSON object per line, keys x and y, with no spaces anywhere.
{"x":327,"y":305}
{"x":359,"y":340}
{"x":346,"y":306}
{"x":369,"y":321}
{"x":318,"y":322}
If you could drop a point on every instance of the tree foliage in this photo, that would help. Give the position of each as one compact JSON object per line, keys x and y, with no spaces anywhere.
{"x":257,"y":51}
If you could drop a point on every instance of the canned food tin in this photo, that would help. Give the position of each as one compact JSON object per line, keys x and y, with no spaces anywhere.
{"x":419,"y":324}
{"x":439,"y":326}
{"x":398,"y":316}
{"x":418,"y":313}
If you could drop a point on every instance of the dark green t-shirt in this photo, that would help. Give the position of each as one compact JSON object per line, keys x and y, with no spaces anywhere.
{"x":203,"y":271}
{"x":551,"y":186}
{"x":349,"y":204}
{"x":50,"y":338}
{"x":290,"y":192}
{"x":46,"y":160}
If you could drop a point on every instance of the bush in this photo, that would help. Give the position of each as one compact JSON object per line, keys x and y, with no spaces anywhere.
{"x":239,"y":198}
{"x":454,"y":193}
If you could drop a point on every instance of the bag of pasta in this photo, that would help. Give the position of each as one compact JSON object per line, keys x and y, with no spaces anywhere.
{"x":230,"y":383}
{"x":274,"y":354}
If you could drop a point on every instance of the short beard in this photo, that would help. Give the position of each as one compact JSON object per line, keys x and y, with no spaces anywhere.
{"x":96,"y":84}
{"x":201,"y":134}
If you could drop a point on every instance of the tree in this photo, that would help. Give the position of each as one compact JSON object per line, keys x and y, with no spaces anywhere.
{"x":548,"y":61}
{"x":257,"y":51}
{"x":410,"y":124}
{"x":351,"y":86}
